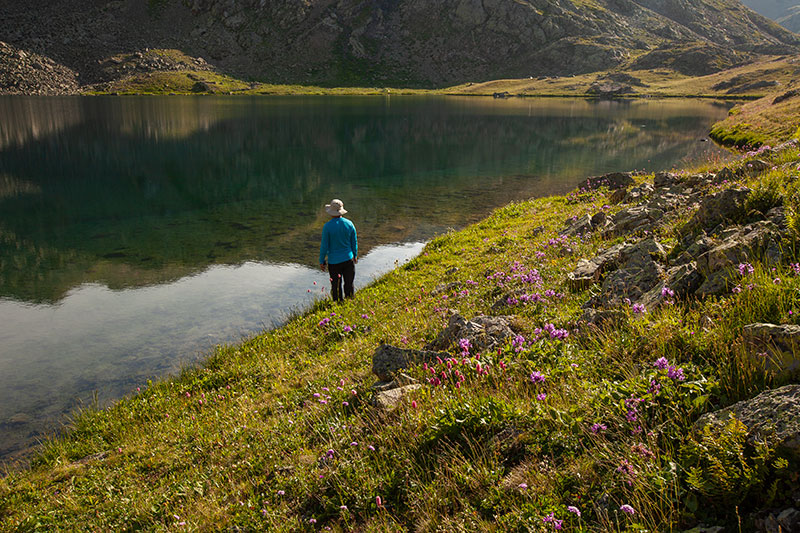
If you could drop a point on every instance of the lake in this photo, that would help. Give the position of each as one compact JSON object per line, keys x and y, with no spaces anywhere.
{"x":136,"y":233}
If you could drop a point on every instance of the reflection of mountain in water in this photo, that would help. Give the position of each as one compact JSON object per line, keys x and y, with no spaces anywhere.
{"x":138,"y":191}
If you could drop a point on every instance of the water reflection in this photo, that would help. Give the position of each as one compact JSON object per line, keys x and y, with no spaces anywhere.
{"x":136,"y":233}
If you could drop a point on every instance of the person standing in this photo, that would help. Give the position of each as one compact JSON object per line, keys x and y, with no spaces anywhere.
{"x":340,"y":246}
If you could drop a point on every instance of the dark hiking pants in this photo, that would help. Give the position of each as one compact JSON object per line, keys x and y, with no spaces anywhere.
{"x":342,"y":272}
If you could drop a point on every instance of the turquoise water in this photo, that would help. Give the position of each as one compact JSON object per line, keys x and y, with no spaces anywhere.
{"x":137,"y":233}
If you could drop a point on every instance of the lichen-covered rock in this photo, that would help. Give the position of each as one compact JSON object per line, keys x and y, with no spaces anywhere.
{"x":388,"y":399}
{"x":630,"y":282}
{"x":720,"y":207}
{"x":388,"y":360}
{"x":614,"y":180}
{"x":772,"y":415}
{"x":482,"y":332}
{"x":633,"y":219}
{"x":780,"y":343}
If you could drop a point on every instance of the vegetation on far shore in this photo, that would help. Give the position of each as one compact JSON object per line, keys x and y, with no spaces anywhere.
{"x":562,"y":427}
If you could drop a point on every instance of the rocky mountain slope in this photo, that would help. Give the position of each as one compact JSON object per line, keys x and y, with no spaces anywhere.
{"x":784,"y":12}
{"x":404,"y":42}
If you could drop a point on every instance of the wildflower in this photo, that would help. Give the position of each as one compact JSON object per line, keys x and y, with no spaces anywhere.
{"x":627,"y":509}
{"x":378,"y":501}
{"x":330,"y":453}
{"x":638,"y":308}
{"x":745,"y":269}
{"x":574,"y":510}
{"x":523,"y":486}
{"x":281,"y":492}
{"x":414,"y":404}
{"x":642,"y":450}
{"x":676,"y":373}
{"x":371,"y":448}
{"x":465,"y":346}
{"x":631,"y":415}
{"x":324,"y":322}
{"x":655,"y":387}
{"x":666,"y":292}
{"x":541,"y":396}
{"x":347,"y":329}
{"x":312,"y":520}
{"x":345,"y":404}
{"x":776,"y":281}
{"x":354,"y":443}
{"x":343,"y":507}
{"x":537,"y":377}
{"x":737,"y":289}
{"x":661,"y":363}
{"x":597,"y":428}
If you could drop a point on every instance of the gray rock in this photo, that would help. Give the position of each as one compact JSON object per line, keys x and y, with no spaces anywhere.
{"x":785,"y":521}
{"x":664,"y":180}
{"x":482,"y":332}
{"x":633,"y":219}
{"x":400,"y":380}
{"x":772,"y":415}
{"x":389,"y":399}
{"x":636,"y":277}
{"x":614,"y":180}
{"x":781,"y":343}
{"x":577,"y":226}
{"x":586,"y":273}
{"x":740,"y":244}
{"x":720,"y":207}
{"x":388,"y":360}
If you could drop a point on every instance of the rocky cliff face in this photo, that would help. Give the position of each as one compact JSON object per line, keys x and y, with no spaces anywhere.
{"x":400,"y":42}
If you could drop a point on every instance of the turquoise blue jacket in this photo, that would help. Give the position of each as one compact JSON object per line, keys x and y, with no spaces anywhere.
{"x":339,"y":241}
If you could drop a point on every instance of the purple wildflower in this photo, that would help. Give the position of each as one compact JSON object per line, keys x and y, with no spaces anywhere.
{"x":676,"y":373}
{"x":638,"y":308}
{"x":537,"y":377}
{"x":597,"y":428}
{"x":574,"y":510}
{"x":661,"y":363}
{"x":627,"y":509}
{"x":666,"y":292}
{"x":745,"y":269}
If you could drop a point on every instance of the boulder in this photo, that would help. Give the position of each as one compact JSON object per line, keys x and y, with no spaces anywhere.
{"x":590,"y":271}
{"x":740,"y":244}
{"x":633,"y":219}
{"x":482,"y":332}
{"x":388,"y":360}
{"x":388,"y":399}
{"x":636,"y":277}
{"x":665,"y":180}
{"x":780,"y":343}
{"x":720,"y":207}
{"x":772,"y":415}
{"x":614,"y":180}
{"x":783,"y":521}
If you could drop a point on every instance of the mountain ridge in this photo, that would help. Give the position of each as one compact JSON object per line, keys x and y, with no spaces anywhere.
{"x":413,"y":43}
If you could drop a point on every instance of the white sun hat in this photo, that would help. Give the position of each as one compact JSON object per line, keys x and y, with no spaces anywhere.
{"x":335,"y":208}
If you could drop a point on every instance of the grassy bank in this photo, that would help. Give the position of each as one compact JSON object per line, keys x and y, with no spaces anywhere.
{"x":563,"y":423}
{"x":746,"y":82}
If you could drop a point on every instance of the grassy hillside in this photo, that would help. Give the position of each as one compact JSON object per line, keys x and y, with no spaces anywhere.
{"x":565,"y":425}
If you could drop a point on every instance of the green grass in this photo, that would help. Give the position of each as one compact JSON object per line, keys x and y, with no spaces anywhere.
{"x":278,"y":433}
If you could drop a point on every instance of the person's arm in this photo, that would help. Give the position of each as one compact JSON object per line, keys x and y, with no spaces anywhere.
{"x":354,"y":245}
{"x":323,"y":249}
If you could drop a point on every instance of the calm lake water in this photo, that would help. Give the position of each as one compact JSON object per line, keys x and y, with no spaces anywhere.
{"x":137,"y":233}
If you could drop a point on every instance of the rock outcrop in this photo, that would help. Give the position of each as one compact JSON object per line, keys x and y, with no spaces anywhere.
{"x":773,"y":415}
